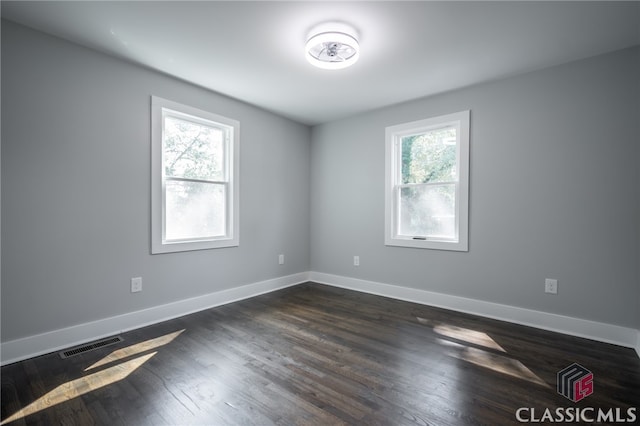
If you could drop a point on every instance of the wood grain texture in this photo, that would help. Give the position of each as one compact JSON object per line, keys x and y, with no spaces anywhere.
{"x":317,"y":355}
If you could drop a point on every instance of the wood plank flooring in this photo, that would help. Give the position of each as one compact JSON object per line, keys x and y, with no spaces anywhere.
{"x":317,"y":355}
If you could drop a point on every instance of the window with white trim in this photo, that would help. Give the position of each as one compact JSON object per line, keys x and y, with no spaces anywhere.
{"x":194,"y":183}
{"x":427,"y":183}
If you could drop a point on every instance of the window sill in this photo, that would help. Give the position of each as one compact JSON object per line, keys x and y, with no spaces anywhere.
{"x":160,"y":248}
{"x":427,"y":244}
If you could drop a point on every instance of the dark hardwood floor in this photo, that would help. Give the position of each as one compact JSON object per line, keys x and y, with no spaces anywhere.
{"x":317,"y":355}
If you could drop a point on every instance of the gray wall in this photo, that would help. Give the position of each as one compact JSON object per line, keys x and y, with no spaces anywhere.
{"x":76,"y":185}
{"x":553,"y":193}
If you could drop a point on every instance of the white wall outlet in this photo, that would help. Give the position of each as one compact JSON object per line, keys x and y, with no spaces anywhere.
{"x":281,"y":259}
{"x":551,"y":286}
{"x":356,"y":260}
{"x":136,"y":284}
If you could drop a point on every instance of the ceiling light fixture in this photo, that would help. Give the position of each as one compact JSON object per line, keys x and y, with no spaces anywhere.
{"x":332,"y":46}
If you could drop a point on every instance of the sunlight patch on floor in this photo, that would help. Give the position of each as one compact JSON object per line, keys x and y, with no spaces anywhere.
{"x":136,"y":349}
{"x":480,"y":349}
{"x":472,"y":336}
{"x":78,"y":387}
{"x":105,"y":377}
{"x":492,"y":361}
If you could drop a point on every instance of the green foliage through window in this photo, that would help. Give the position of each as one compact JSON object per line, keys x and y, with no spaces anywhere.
{"x":429,"y":157}
{"x":193,"y":150}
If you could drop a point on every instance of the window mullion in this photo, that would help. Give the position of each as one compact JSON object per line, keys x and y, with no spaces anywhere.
{"x":415,"y":185}
{"x":181,"y":179}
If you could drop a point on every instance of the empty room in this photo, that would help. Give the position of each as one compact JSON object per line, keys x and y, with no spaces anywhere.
{"x":320,"y":213}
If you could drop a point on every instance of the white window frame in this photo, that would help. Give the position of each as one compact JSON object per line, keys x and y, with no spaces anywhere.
{"x":393,"y":181}
{"x":159,"y":108}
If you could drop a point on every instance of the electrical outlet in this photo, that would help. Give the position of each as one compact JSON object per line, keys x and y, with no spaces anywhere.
{"x":136,"y":284}
{"x":281,"y":259}
{"x":356,"y":260}
{"x":551,"y":286}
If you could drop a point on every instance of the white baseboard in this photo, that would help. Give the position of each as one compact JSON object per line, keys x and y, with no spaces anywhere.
{"x":28,"y":347}
{"x":602,"y":332}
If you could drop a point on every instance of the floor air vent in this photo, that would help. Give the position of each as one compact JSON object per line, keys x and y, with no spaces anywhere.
{"x":90,"y":346}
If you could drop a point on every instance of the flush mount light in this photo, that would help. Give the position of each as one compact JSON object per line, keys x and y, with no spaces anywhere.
{"x":332,"y":46}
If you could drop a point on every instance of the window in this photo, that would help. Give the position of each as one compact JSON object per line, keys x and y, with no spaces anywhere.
{"x":194,"y":189}
{"x":427,"y":183}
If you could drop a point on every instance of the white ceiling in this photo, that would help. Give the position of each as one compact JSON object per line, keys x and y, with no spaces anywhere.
{"x":253,"y":51}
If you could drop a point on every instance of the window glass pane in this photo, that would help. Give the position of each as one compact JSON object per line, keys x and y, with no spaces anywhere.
{"x":430,"y":156}
{"x":194,"y":210}
{"x":193,"y":150}
{"x":428,"y":211}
